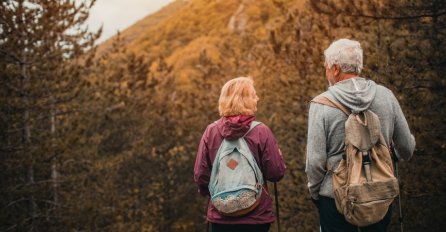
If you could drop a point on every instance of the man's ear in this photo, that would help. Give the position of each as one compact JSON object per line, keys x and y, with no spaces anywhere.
{"x":337,"y":70}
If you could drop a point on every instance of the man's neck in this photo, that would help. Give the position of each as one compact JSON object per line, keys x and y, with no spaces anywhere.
{"x":346,"y":76}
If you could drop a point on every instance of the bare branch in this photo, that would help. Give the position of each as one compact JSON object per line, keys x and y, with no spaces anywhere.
{"x":14,"y":202}
{"x":14,"y":57}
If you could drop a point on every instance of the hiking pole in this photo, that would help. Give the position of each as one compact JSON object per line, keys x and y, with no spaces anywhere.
{"x":397,"y":175}
{"x":207,"y":221}
{"x":277,"y":206}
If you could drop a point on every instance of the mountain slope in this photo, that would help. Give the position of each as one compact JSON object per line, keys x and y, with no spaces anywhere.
{"x":183,"y":29}
{"x":136,"y":31}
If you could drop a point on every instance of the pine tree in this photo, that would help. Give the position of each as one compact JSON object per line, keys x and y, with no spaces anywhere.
{"x":41,"y":43}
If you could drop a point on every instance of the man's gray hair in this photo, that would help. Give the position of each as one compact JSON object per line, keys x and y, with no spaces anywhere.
{"x":345,"y":53}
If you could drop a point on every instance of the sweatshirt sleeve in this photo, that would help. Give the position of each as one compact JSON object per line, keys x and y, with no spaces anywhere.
{"x":316,"y":149}
{"x":403,"y":140}
{"x":272,"y":159}
{"x":202,"y":167}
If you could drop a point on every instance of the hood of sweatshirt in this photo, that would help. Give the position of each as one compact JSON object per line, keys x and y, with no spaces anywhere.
{"x":234,"y":127}
{"x":355,"y":93}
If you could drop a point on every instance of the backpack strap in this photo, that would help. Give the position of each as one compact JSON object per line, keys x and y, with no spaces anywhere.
{"x":332,"y":103}
{"x":253,"y":124}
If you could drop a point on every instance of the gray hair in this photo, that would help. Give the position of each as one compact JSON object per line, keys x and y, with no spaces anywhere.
{"x":345,"y":53}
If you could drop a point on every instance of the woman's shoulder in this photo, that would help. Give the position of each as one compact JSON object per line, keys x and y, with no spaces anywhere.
{"x":211,"y":128}
{"x":262,"y":125}
{"x":263,"y":129}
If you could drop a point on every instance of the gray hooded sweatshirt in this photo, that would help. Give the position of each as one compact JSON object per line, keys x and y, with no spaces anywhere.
{"x":326,"y":127}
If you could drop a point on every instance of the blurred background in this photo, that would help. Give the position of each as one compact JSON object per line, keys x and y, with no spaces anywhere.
{"x":99,"y":129}
{"x":117,"y":15}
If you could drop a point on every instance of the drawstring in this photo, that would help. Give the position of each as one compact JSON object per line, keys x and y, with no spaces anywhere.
{"x":358,"y":118}
{"x":354,"y":83}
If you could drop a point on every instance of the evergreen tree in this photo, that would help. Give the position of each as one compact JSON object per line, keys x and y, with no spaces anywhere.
{"x":40,"y":43}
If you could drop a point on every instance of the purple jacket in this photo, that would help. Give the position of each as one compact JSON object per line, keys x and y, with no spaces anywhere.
{"x":263,"y":146}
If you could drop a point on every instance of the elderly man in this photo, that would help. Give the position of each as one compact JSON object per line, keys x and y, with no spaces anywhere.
{"x":325,"y":147}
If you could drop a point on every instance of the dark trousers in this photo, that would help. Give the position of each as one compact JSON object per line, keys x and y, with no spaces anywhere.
{"x":332,"y":221}
{"x":240,"y":228}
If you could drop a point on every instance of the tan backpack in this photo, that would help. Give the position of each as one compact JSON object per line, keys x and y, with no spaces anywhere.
{"x":364,"y":183}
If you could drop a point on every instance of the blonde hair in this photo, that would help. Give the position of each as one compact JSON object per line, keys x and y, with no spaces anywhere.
{"x":236,"y":97}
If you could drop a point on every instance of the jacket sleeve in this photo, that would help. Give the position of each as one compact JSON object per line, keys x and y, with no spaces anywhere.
{"x":403,"y":140}
{"x":202,"y":167}
{"x":272,"y":159}
{"x":316,"y":159}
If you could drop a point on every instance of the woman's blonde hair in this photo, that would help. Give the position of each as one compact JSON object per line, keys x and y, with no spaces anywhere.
{"x":236,"y":97}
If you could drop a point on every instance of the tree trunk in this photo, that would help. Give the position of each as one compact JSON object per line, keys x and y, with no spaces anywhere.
{"x":54,"y":172}
{"x":27,"y":144}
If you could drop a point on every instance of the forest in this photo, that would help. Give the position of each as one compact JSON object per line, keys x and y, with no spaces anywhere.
{"x":103,"y":137}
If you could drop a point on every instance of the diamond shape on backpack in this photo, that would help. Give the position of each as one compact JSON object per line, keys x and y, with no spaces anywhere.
{"x":232,"y":164}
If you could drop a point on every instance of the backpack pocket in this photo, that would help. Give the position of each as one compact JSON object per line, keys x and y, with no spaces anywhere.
{"x":367,"y":213}
{"x":368,"y":203}
{"x":339,"y":179}
{"x":340,"y":175}
{"x":236,"y":203}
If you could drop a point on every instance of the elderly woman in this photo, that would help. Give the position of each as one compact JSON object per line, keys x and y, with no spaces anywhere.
{"x":237,"y":105}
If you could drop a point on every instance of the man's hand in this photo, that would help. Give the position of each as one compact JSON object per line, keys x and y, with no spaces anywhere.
{"x":315,"y":202}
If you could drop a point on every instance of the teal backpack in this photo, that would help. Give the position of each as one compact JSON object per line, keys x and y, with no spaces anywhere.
{"x":236,"y":180}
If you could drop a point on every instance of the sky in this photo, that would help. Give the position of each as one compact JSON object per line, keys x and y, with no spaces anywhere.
{"x":117,"y":15}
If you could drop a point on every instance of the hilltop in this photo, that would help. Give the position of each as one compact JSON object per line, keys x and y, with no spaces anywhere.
{"x":179,"y":32}
{"x":138,"y":29}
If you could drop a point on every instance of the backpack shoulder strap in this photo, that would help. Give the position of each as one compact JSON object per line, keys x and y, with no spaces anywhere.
{"x":229,"y":145}
{"x":332,"y":103}
{"x":253,"y":124}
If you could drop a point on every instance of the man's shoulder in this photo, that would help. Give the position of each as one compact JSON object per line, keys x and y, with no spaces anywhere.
{"x":382,"y":89}
{"x":383,"y":92}
{"x":317,"y":103}
{"x":324,"y":94}
{"x":318,"y":109}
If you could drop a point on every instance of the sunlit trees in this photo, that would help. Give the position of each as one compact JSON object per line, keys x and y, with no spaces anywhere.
{"x":107,"y":141}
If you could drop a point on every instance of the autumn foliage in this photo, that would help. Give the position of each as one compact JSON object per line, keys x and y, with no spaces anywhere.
{"x":104,"y":138}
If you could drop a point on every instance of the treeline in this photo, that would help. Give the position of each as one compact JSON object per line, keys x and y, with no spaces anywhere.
{"x":106,"y":141}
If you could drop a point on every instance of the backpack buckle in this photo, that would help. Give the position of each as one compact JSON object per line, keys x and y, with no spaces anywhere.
{"x":258,"y":185}
{"x":366,"y":163}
